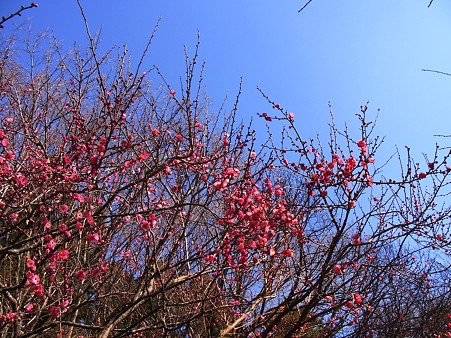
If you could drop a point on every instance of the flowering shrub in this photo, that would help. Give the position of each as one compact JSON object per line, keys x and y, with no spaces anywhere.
{"x":128,"y":210}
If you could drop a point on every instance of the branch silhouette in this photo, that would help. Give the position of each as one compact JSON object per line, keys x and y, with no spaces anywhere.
{"x":18,"y":13}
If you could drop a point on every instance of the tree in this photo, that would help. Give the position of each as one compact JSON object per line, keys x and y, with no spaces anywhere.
{"x":132,"y":210}
{"x":414,"y":301}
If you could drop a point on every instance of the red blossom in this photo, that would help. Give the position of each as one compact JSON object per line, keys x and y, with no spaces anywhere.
{"x":337,"y":269}
{"x":51,"y":244}
{"x":361,"y":144}
{"x":144,"y":156}
{"x":81,"y":275}
{"x":63,"y":208}
{"x":94,"y":237}
{"x":38,"y":290}
{"x":9,"y":317}
{"x":29,"y":308}
{"x":104,"y":201}
{"x":33,"y":278}
{"x":287,"y":253}
{"x":358,"y":299}
{"x":63,"y":255}
{"x":54,"y":311}
{"x":31,"y":264}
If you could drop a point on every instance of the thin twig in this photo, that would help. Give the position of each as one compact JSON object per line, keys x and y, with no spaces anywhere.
{"x":430,"y":3}
{"x":435,"y":71}
{"x":308,"y":2}
{"x":18,"y":13}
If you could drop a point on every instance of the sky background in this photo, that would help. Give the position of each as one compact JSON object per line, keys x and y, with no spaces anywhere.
{"x":345,"y":52}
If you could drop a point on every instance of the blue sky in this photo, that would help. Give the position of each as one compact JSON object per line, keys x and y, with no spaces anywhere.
{"x":346,"y":52}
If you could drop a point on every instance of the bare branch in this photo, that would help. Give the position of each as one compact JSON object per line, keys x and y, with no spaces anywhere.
{"x":18,"y":13}
{"x":308,"y":2}
{"x":436,"y":71}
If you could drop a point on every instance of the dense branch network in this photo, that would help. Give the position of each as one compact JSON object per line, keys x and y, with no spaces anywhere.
{"x":132,"y":209}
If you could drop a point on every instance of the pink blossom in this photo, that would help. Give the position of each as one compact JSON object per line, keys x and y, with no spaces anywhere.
{"x":287,"y":253}
{"x":38,"y":290}
{"x":33,"y":278}
{"x":54,"y":311}
{"x":63,"y":208}
{"x":14,"y":216}
{"x":358,"y":298}
{"x":29,"y":308}
{"x":22,"y":180}
{"x":337,"y":269}
{"x":143,"y":156}
{"x":10,"y":317}
{"x":51,"y":244}
{"x":63,"y":255}
{"x":30,"y":264}
{"x":93,"y":237}
{"x":361,"y":144}
{"x":81,"y":275}
{"x":210,"y":258}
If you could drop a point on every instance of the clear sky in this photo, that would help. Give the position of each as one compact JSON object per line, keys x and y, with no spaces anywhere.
{"x":346,"y":52}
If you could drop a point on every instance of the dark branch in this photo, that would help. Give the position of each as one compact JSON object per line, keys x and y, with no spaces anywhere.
{"x":435,"y":71}
{"x":18,"y":13}
{"x":308,"y":2}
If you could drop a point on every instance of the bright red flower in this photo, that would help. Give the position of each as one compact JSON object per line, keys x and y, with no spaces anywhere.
{"x":358,"y":299}
{"x":337,"y":269}
{"x":361,"y":144}
{"x":63,"y":255}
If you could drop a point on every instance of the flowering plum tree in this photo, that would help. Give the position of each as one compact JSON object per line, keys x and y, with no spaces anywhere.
{"x":132,"y":210}
{"x":413,"y":300}
{"x":364,"y":230}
